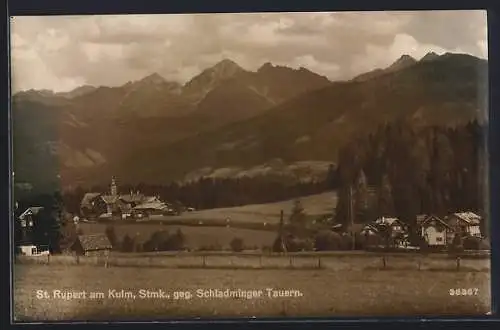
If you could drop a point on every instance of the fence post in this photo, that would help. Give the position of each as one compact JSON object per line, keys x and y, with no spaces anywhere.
{"x":290,"y":260}
{"x":384,"y":261}
{"x":319,"y":262}
{"x":458,"y":263}
{"x":48,"y":259}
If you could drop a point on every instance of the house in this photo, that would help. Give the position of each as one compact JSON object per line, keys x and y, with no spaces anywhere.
{"x":435,"y":231}
{"x":32,"y":250}
{"x":92,"y":205}
{"x":396,"y":225}
{"x":27,"y":218}
{"x":26,"y":224}
{"x":92,"y":245}
{"x":369,"y":230}
{"x":465,"y":223}
{"x":156,"y":207}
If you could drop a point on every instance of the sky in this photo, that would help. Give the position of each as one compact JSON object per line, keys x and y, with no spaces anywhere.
{"x":60,"y":53}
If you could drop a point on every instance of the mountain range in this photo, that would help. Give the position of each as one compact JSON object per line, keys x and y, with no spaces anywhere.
{"x":230,"y":122}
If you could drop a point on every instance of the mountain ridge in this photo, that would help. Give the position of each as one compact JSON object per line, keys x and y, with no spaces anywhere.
{"x":242,"y":122}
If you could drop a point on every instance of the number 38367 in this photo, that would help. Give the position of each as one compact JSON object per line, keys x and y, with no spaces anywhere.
{"x":464,"y":292}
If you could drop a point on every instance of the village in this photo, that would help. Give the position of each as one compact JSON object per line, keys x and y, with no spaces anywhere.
{"x":456,"y":231}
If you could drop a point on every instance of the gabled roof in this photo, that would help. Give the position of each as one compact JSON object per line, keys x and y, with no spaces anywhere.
{"x":469,"y":217}
{"x":109,"y":199}
{"x":88,"y":198}
{"x":34,"y":210}
{"x":370,"y":227}
{"x":151,"y":206}
{"x":94,"y":242}
{"x":436,"y":219}
{"x":388,"y":221}
{"x":134,"y":198}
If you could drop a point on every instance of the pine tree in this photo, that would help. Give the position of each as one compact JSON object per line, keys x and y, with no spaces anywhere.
{"x":361,"y":198}
{"x":385,"y":198}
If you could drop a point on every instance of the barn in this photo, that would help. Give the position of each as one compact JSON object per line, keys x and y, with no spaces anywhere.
{"x":92,"y":245}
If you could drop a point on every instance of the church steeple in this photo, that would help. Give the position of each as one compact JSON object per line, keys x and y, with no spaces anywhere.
{"x":114,"y":189}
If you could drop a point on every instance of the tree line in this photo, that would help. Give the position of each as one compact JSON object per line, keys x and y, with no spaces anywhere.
{"x":414,"y":170}
{"x":209,"y":193}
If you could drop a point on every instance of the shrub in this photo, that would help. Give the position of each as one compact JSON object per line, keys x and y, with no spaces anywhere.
{"x":236,"y":244}
{"x":327,"y":240}
{"x":472,"y":243}
{"x":128,"y":244}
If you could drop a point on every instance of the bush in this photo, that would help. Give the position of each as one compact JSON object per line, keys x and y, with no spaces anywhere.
{"x":237,"y":244}
{"x":327,"y":240}
{"x":128,"y":244}
{"x":472,"y":243}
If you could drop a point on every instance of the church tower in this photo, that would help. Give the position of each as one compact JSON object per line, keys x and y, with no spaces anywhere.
{"x":114,"y":189}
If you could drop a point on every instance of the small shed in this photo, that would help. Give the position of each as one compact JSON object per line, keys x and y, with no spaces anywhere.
{"x":92,"y":245}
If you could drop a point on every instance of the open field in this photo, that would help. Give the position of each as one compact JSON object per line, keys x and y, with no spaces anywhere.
{"x":255,"y":224}
{"x":356,"y":292}
{"x":340,"y":261}
{"x":196,"y":237}
{"x":314,"y":205}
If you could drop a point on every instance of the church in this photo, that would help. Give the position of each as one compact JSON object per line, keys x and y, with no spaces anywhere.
{"x":124,"y":205}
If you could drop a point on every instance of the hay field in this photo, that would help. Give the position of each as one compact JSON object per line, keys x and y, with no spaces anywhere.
{"x":355,"y":292}
{"x":314,"y":205}
{"x":196,"y":237}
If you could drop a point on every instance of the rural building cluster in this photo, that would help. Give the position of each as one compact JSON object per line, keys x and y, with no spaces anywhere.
{"x":95,"y":205}
{"x":435,"y":231}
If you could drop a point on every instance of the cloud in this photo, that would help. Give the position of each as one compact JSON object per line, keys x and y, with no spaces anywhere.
{"x":60,"y":52}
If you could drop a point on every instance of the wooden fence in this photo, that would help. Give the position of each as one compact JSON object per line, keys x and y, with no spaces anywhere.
{"x":269,"y":261}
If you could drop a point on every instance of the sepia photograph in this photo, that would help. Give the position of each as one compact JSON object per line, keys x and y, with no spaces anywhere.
{"x":250,"y":165}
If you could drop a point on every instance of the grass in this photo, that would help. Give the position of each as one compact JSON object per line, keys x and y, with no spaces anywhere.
{"x":196,"y":237}
{"x":314,"y":205}
{"x":255,"y":224}
{"x":325,"y":293}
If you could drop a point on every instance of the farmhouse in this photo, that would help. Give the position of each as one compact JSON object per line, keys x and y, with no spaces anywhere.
{"x":465,"y":224}
{"x":92,"y":245}
{"x":92,"y":205}
{"x":435,"y":231}
{"x":396,"y":225}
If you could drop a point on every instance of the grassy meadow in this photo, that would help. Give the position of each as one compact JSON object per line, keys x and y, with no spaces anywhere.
{"x":255,"y":224}
{"x":325,"y":292}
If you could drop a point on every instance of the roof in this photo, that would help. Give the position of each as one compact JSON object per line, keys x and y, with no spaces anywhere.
{"x":434,"y":218}
{"x":370,"y":227}
{"x":94,"y":242}
{"x":109,"y":199}
{"x":387,"y":221}
{"x":34,"y":210}
{"x":89,"y":197}
{"x":151,"y":206}
{"x":134,"y":198}
{"x":469,"y":217}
